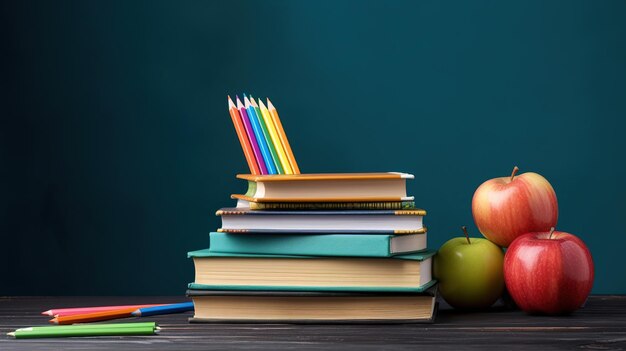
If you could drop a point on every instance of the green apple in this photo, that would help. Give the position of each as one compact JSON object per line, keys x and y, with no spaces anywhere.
{"x":470,"y":272}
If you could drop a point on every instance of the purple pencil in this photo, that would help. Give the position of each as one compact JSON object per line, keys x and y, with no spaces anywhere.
{"x":251,"y":137}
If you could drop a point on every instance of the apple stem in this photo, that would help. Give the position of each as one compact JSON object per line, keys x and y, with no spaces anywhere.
{"x":551,"y":232}
{"x":515,"y":169}
{"x":466,"y":234}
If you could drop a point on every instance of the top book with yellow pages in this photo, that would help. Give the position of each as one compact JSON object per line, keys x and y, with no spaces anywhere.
{"x":326,"y":187}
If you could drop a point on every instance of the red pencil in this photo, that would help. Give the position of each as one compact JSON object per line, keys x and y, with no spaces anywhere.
{"x":243,"y":137}
{"x":93,"y":317}
{"x":83,"y":310}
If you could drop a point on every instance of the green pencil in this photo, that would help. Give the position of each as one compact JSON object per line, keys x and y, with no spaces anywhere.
{"x":120,"y":329}
{"x":93,"y":326}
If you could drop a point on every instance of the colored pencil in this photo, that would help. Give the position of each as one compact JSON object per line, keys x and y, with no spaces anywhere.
{"x":92,"y":326}
{"x":93,"y":317}
{"x":260,"y":137}
{"x":166,"y":309}
{"x":268,"y":137}
{"x":283,"y":137}
{"x":278,"y":145}
{"x":243,"y":137}
{"x":82,"y":310}
{"x":87,"y":330}
{"x":251,"y":136}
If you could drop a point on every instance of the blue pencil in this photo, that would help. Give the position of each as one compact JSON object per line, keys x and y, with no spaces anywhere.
{"x":165,"y":309}
{"x":260,"y":137}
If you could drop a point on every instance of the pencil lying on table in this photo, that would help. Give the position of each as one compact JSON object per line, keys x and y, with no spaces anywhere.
{"x":93,"y":317}
{"x":82,"y":310}
{"x":119,"y":329}
{"x":165,"y":309}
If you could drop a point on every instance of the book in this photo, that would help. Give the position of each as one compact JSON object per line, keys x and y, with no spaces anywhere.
{"x":358,"y":245}
{"x":329,"y":187}
{"x":219,"y":306}
{"x":317,"y":206}
{"x":243,"y":220}
{"x":226,"y":271}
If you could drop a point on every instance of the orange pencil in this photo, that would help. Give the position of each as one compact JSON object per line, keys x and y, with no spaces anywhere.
{"x":283,"y":137}
{"x":243,"y":137}
{"x":93,"y":317}
{"x":55,"y":312}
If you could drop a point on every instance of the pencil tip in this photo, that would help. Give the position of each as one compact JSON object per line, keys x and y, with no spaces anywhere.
{"x":269,"y":104}
{"x":54,"y":320}
{"x":136,"y":313}
{"x":11,"y":334}
{"x":47,"y":313}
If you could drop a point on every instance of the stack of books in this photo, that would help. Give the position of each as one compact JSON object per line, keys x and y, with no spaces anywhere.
{"x":317,"y":248}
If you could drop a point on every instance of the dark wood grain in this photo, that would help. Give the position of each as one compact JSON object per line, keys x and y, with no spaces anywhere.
{"x":601,"y":325}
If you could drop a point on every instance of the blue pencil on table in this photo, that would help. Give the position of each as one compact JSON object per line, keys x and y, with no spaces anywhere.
{"x":165,"y":309}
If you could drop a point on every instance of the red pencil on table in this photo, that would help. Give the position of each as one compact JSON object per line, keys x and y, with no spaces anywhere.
{"x":83,"y":310}
{"x":93,"y":317}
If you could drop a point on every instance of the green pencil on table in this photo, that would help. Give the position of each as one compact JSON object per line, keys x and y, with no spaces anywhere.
{"x":118,"y":329}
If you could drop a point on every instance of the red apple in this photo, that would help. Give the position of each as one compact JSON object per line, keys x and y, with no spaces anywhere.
{"x":548,"y":272}
{"x":507,"y":207}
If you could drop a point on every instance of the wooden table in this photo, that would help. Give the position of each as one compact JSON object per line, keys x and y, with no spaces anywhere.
{"x":601,"y":325}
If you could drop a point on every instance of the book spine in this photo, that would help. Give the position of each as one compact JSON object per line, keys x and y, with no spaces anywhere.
{"x":400,"y":205}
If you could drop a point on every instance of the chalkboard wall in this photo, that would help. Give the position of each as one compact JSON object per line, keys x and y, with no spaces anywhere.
{"x":117,"y":146}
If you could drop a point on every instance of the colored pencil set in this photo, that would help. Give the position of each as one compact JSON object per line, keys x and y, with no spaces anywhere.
{"x":262,"y":137}
{"x":65,"y":316}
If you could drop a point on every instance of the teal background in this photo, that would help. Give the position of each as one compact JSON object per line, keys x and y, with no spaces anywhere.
{"x":117,"y":146}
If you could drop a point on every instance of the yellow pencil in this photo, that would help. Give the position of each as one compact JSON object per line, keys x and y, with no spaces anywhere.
{"x":283,"y":137}
{"x":278,"y":145}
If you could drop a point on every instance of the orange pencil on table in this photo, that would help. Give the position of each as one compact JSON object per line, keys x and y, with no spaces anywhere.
{"x":243,"y":137}
{"x":83,"y":310}
{"x":283,"y":137}
{"x":93,"y":317}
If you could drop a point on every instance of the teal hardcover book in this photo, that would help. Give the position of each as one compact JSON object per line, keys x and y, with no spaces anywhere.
{"x":357,"y":245}
{"x":228,"y":271}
